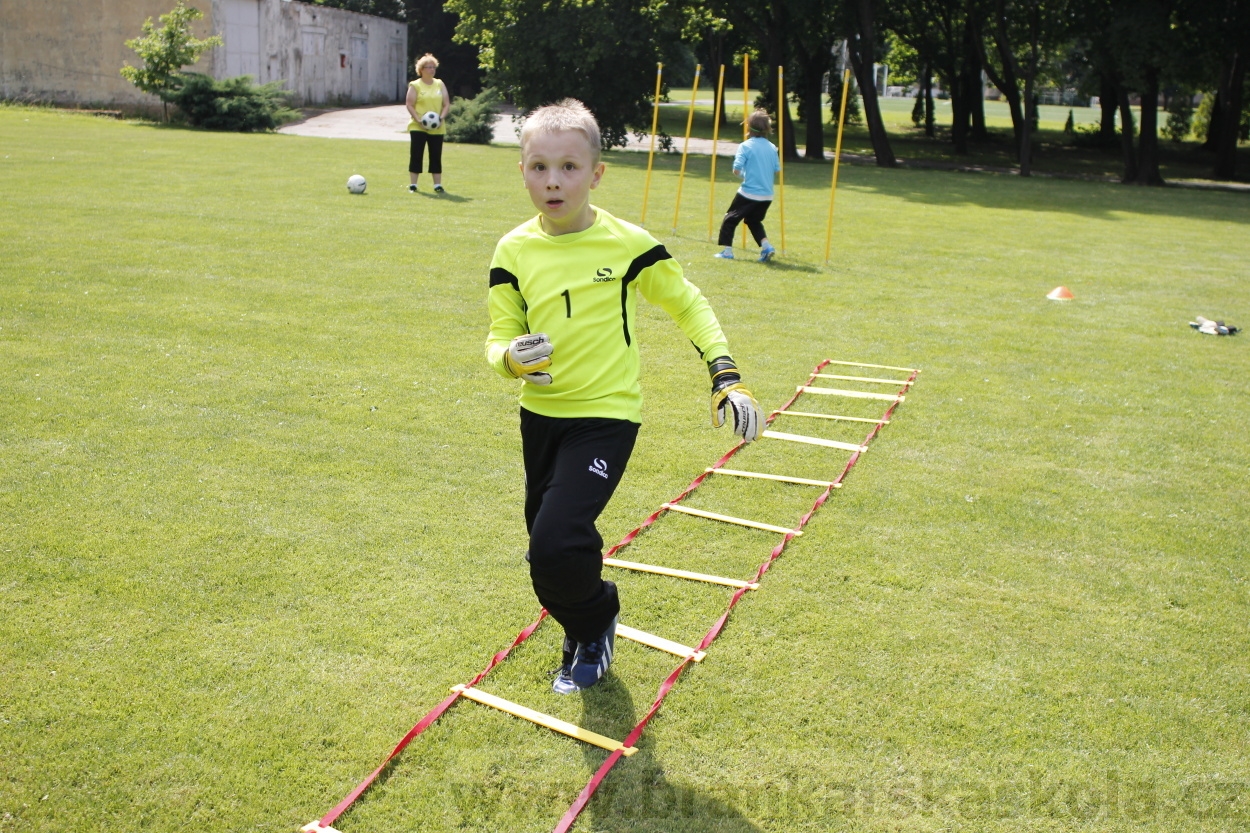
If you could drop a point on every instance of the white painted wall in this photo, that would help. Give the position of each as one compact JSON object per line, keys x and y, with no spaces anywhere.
{"x":325,"y":55}
{"x":240,"y":26}
{"x":71,"y":51}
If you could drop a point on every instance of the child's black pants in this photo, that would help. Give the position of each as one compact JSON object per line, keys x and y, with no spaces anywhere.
{"x":750,"y":211}
{"x":572,"y":467}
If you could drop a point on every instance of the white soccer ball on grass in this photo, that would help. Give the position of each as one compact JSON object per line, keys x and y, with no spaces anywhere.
{"x":356,"y":184}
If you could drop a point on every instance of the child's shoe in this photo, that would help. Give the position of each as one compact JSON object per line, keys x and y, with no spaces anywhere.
{"x":412,"y":189}
{"x":726,"y":253}
{"x":592,"y":659}
{"x":438,"y":189}
{"x":563,"y":683}
{"x":766,"y":253}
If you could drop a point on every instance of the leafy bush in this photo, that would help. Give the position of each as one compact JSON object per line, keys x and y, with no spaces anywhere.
{"x":1202,"y":118}
{"x":853,"y":116}
{"x":1091,"y":136}
{"x":233,"y":104}
{"x":472,"y":120}
{"x":1180,"y":117}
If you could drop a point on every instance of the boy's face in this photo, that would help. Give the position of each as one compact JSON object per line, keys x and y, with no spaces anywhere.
{"x":560,"y":172}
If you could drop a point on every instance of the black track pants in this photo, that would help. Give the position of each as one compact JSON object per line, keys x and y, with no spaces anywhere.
{"x":572,"y":467}
{"x":743,"y":209}
{"x":418,"y":141}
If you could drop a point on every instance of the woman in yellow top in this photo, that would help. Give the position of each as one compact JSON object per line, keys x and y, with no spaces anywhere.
{"x":426,"y":94}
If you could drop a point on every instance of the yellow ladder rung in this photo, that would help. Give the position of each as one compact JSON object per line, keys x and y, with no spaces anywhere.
{"x":831,"y":416}
{"x":553,"y":723}
{"x":855,"y":394}
{"x":783,"y":478}
{"x":861,"y":379}
{"x":799,"y":438}
{"x":875,"y":366}
{"x":659,"y":643}
{"x":686,"y":574}
{"x":699,"y":513}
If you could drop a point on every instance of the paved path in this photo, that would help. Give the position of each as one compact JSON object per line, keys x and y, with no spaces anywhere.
{"x":389,"y":122}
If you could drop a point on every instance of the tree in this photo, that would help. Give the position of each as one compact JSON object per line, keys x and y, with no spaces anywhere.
{"x":1026,"y":32}
{"x":603,"y":53}
{"x":716,"y":46}
{"x":1004,"y":75}
{"x":938,"y":30}
{"x":765,"y":28}
{"x":1229,"y":98}
{"x":1142,"y":38}
{"x":431,"y":28}
{"x":1223,"y":28}
{"x":165,"y":51}
{"x":863,"y":51}
{"x":824,"y":24}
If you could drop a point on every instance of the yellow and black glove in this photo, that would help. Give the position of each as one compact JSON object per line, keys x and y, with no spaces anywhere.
{"x":728,"y":393}
{"x":527,"y":356}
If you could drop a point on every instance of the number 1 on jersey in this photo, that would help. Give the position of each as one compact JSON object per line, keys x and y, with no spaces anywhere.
{"x":568,"y":304}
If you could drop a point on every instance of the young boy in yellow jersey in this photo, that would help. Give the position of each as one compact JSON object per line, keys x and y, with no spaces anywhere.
{"x":562,"y":301}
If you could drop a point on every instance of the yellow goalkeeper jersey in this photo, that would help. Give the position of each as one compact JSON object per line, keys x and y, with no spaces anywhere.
{"x":581,"y":290}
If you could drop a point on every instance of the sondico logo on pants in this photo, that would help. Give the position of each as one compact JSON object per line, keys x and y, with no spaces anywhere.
{"x":599,"y":467}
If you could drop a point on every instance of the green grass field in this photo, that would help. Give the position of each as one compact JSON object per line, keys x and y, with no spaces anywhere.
{"x":260,"y":503}
{"x":1054,"y":152}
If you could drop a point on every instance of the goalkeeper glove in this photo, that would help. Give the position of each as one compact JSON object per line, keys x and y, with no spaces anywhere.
{"x":729,"y":393}
{"x":528,"y":355}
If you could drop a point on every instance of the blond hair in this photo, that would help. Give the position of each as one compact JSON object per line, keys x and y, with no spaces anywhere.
{"x":566,"y":114}
{"x":759,"y":122}
{"x":426,"y":60}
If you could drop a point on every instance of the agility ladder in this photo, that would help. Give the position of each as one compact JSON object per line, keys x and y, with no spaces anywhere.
{"x":688,"y":655}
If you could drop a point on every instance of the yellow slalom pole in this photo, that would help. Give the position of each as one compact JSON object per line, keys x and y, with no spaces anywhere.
{"x":746,"y":91}
{"x":655,"y":122}
{"x":781,"y":141}
{"x":837,"y":156}
{"x":711,"y":199}
{"x":681,"y":177}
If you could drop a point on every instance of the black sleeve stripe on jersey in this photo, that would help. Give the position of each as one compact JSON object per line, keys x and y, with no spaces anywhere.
{"x":648,"y":258}
{"x":498,"y":276}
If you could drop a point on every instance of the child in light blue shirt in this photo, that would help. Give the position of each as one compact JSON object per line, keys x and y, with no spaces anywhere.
{"x":756,"y":162}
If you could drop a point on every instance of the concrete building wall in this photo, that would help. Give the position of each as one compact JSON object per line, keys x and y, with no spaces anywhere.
{"x":71,"y":51}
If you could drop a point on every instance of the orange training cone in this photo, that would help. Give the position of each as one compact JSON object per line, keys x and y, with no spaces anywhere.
{"x":1061,"y":293}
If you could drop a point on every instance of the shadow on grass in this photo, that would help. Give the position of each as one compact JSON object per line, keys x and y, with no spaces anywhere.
{"x":637,"y":795}
{"x":751,"y":256}
{"x":779,"y":264}
{"x":446,"y":196}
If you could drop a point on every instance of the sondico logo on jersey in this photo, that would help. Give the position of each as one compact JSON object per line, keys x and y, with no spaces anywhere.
{"x":599,"y":467}
{"x":603,"y":275}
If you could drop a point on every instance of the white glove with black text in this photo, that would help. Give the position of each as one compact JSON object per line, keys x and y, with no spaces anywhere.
{"x":728,"y":393}
{"x":527,"y":356}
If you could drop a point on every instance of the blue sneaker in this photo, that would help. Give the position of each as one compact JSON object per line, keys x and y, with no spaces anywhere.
{"x":592,"y":659}
{"x":725,"y":254}
{"x":766,"y":253}
{"x":563,"y":683}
